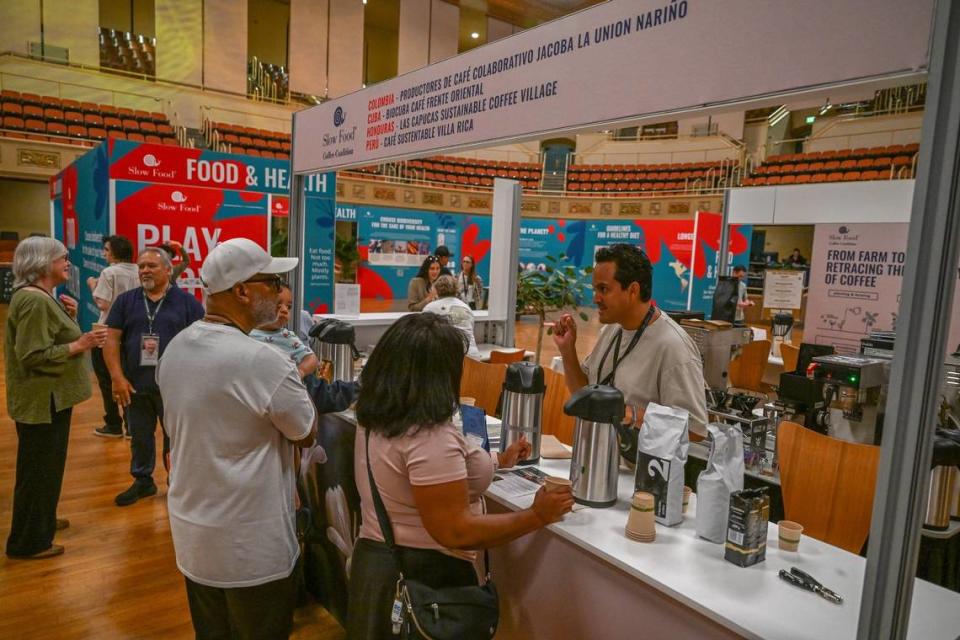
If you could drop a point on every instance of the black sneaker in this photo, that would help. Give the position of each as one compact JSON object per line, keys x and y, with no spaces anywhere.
{"x":106,"y":431}
{"x":136,"y":491}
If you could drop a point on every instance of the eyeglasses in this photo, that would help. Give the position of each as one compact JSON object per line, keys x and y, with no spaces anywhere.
{"x":272,"y":279}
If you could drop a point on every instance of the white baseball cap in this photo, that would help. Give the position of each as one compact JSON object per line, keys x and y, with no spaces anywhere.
{"x":237,"y":260}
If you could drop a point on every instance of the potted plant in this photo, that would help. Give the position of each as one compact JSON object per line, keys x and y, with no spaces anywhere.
{"x":560,"y":286}
{"x":347,"y":258}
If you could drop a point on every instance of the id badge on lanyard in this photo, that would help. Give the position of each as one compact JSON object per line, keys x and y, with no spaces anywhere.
{"x":149,"y":349}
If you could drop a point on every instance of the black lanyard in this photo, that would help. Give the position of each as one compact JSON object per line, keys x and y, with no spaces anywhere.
{"x":152,"y":316}
{"x":615,"y":344}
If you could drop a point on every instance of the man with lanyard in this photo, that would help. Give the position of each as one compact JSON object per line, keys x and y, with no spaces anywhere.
{"x":640,"y":350}
{"x":141,"y":324}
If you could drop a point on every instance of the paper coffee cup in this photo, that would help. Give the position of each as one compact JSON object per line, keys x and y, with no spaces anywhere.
{"x":789,"y":534}
{"x":98,"y":326}
{"x":686,"y":497}
{"x":554,"y":483}
{"x":641,"y":525}
{"x":467,"y":400}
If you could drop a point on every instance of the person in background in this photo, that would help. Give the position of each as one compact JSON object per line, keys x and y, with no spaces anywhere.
{"x":174,"y":249}
{"x":640,"y":350}
{"x":45,"y":378}
{"x":284,"y":340}
{"x":443,"y":255}
{"x":469,"y":284}
{"x":236,"y":410}
{"x":796,"y":259}
{"x":141,"y":323}
{"x":119,"y":276}
{"x":420,"y":291}
{"x":455,"y":310}
{"x":429,"y":476}
{"x":743,"y":301}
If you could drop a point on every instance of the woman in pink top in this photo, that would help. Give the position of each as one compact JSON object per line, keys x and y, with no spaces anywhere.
{"x":429,"y":475}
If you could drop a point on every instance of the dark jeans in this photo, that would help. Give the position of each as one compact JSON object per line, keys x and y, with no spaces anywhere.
{"x":263,"y":612}
{"x":111,"y":412}
{"x":41,"y":458}
{"x":373,"y":583}
{"x":143,"y":412}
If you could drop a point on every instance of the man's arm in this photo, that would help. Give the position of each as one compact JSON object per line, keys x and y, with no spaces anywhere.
{"x":565,"y":337}
{"x":122,"y":389}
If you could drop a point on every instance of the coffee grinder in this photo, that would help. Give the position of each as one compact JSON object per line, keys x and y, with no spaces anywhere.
{"x":854,"y":391}
{"x":719,"y":343}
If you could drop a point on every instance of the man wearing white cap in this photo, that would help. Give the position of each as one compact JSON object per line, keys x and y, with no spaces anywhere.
{"x":236,"y":411}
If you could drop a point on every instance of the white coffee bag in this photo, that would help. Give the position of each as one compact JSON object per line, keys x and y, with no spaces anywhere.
{"x":723,"y":476}
{"x":661,"y":455}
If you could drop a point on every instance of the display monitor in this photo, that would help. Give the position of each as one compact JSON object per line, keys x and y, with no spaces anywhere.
{"x":771,"y":257}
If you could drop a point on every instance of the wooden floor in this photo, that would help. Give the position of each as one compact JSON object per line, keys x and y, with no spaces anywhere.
{"x":118,"y":577}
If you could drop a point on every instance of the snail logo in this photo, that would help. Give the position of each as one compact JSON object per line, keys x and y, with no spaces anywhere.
{"x":844,"y":230}
{"x":278,"y":206}
{"x":150,"y":160}
{"x":339,"y":117}
{"x":177,"y":196}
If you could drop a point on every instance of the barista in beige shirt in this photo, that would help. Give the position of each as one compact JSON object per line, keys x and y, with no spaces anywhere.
{"x":640,"y":350}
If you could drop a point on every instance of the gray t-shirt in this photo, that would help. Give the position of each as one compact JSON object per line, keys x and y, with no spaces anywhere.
{"x":665,"y":367}
{"x":114,"y":280}
{"x":741,"y":297}
{"x":460,"y":316}
{"x":232,"y":407}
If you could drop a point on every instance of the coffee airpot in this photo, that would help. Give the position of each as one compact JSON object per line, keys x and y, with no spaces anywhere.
{"x":594,"y":469}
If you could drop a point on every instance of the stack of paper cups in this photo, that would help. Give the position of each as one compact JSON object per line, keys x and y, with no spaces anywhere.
{"x":640,"y":523}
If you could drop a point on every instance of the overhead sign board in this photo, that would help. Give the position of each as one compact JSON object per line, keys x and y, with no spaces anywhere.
{"x":617,"y":60}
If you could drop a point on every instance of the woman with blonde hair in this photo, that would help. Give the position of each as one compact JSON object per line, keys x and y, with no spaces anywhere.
{"x":45,"y":379}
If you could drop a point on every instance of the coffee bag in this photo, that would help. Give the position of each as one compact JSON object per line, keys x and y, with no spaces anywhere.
{"x":661,"y":455}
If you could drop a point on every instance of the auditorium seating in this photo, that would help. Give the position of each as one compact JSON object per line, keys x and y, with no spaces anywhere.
{"x":841,"y":165}
{"x":51,"y":119}
{"x":611,"y":179}
{"x":130,"y":52}
{"x":261,"y":143}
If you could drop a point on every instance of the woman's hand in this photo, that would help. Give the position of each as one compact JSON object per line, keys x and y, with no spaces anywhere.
{"x":519,"y":450}
{"x":69,"y":304}
{"x":549,"y":506}
{"x":87,"y":341}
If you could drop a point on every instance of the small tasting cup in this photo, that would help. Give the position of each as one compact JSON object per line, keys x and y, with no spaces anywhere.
{"x":467,"y":400}
{"x":686,"y":497}
{"x":789,"y":534}
{"x":553,"y":483}
{"x":98,"y":326}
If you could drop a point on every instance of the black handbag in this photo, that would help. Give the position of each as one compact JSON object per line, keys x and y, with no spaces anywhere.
{"x":451,"y":613}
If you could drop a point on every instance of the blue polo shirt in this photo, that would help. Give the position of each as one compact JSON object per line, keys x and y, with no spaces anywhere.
{"x":177,"y":312}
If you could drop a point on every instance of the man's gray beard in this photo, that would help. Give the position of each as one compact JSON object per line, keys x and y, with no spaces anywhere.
{"x":264,"y":311}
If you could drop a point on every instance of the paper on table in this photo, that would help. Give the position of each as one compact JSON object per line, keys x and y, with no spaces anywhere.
{"x":516,"y":483}
{"x":552,"y":449}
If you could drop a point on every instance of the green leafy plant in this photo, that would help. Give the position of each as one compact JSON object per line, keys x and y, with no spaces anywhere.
{"x":347,"y":257}
{"x":560,"y":286}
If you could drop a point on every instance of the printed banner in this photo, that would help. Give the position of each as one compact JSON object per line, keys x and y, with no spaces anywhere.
{"x":197,"y":217}
{"x":319,"y":246}
{"x":81,"y":220}
{"x":164,"y":164}
{"x":707,"y":256}
{"x":535,"y":82}
{"x":856,"y":273}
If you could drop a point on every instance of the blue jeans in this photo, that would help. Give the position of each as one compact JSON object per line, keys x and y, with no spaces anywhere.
{"x":145,"y":409}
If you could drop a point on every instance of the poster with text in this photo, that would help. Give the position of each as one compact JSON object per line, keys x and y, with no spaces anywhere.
{"x":855,"y":277}
{"x":319,"y":243}
{"x":197,"y":217}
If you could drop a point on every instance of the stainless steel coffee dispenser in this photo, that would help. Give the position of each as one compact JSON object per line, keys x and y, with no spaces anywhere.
{"x":522,"y":412}
{"x":594,"y":469}
{"x":333,"y":341}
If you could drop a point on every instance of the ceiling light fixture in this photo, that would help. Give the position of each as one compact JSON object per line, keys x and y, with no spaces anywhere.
{"x":474,"y":35}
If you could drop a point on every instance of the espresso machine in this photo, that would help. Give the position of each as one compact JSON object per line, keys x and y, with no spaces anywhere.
{"x":718,"y":343}
{"x":334,"y":343}
{"x":522,"y":413}
{"x":594,"y":469}
{"x":854,"y":393}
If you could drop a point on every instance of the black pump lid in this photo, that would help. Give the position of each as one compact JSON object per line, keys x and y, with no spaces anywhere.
{"x":333,"y":331}
{"x":596,"y":403}
{"x":524,"y":377}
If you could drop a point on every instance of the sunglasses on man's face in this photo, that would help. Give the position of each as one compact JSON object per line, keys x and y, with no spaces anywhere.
{"x":271,"y":279}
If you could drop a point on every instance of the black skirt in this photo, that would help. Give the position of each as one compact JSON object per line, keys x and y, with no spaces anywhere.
{"x":373,"y":583}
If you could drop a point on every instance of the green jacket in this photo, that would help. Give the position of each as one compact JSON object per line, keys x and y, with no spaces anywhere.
{"x":38,"y":361}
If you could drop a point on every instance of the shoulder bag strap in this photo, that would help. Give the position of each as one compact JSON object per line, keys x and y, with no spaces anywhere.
{"x":386,"y":528}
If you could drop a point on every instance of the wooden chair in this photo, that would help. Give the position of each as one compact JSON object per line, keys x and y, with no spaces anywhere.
{"x":483,"y":381}
{"x":555,"y":421}
{"x":506,"y":357}
{"x":746,"y":370}
{"x":827,"y":485}
{"x":790,"y":354}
